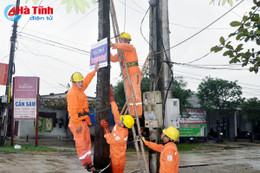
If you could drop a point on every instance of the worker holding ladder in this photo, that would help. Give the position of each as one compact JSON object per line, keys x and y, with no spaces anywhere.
{"x":133,"y":70}
{"x":117,"y":139}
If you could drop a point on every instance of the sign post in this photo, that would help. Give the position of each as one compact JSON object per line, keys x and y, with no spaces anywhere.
{"x":26,"y":101}
{"x":193,"y":124}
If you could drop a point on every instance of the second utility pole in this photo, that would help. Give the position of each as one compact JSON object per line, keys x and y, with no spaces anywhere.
{"x":9,"y":79}
{"x":160,"y":72}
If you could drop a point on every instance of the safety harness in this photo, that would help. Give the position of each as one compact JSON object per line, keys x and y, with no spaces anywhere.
{"x":131,"y":64}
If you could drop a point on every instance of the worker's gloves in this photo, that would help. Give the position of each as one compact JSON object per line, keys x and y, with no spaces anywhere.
{"x":112,"y":45}
{"x":90,"y":167}
{"x":104,"y":125}
{"x":112,"y":99}
{"x":143,"y":139}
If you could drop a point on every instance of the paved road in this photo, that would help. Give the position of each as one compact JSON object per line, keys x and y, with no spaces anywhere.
{"x":241,"y":157}
{"x":236,"y":157}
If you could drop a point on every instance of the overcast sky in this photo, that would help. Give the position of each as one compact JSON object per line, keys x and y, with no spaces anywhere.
{"x":38,"y":55}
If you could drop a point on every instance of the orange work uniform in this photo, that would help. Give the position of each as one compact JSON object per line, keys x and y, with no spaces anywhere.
{"x":134,"y":73}
{"x":117,"y":140}
{"x":78,"y":103}
{"x":169,"y":159}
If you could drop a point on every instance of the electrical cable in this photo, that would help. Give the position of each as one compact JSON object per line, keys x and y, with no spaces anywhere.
{"x":243,"y":22}
{"x":193,"y":27}
{"x":141,"y":31}
{"x":5,"y":56}
{"x":52,"y":36}
{"x":29,"y":18}
{"x":52,"y":57}
{"x":125,"y":17}
{"x":29,"y":68}
{"x":138,"y":5}
{"x":171,"y":81}
{"x":205,"y":67}
{"x":203,"y":76}
{"x":74,"y":23}
{"x":130,"y":7}
{"x":202,"y":29}
{"x":199,"y":80}
{"x":60,"y":45}
{"x":40,"y":41}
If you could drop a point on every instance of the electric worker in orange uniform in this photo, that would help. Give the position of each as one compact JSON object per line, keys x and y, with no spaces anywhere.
{"x":79,"y":119}
{"x":169,"y":158}
{"x":133,"y":70}
{"x":118,"y":138}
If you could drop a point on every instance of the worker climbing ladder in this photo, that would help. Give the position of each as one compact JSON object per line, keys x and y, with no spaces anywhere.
{"x":123,"y":65}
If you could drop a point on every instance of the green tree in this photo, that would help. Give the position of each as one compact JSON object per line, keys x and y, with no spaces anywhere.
{"x":251,"y":108}
{"x":119,"y":92}
{"x":219,"y":94}
{"x":179,"y":91}
{"x":248,"y":33}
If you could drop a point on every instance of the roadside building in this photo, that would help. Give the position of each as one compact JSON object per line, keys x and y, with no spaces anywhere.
{"x":230,"y":124}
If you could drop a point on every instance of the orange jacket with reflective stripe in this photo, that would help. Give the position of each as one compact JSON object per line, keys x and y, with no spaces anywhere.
{"x":130,"y":56}
{"x":169,"y":159}
{"x":118,"y":137}
{"x":78,"y":103}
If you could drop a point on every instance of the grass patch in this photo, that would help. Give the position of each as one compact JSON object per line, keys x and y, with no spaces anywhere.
{"x":189,"y":147}
{"x":29,"y":148}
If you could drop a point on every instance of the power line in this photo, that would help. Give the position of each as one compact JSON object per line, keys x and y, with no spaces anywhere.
{"x":125,"y":17}
{"x":208,"y":67}
{"x":53,"y":36}
{"x":141,"y":31}
{"x":130,"y":7}
{"x":193,"y":27}
{"x":29,"y":18}
{"x":253,"y":92}
{"x":5,"y":56}
{"x":52,"y":57}
{"x":74,"y":23}
{"x":49,"y":85}
{"x":200,"y":30}
{"x":55,"y":44}
{"x":138,"y":5}
{"x":240,"y":83}
{"x":243,"y":22}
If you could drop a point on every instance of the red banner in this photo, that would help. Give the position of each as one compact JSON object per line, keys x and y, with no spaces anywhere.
{"x":3,"y":73}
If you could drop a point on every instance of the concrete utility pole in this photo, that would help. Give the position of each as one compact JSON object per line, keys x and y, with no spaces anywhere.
{"x":9,"y":78}
{"x":159,"y":73}
{"x":101,"y":154}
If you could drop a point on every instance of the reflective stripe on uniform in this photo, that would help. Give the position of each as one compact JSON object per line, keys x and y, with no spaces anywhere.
{"x":139,"y":103}
{"x":85,"y":155}
{"x":114,"y":130}
{"x":125,"y":139}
